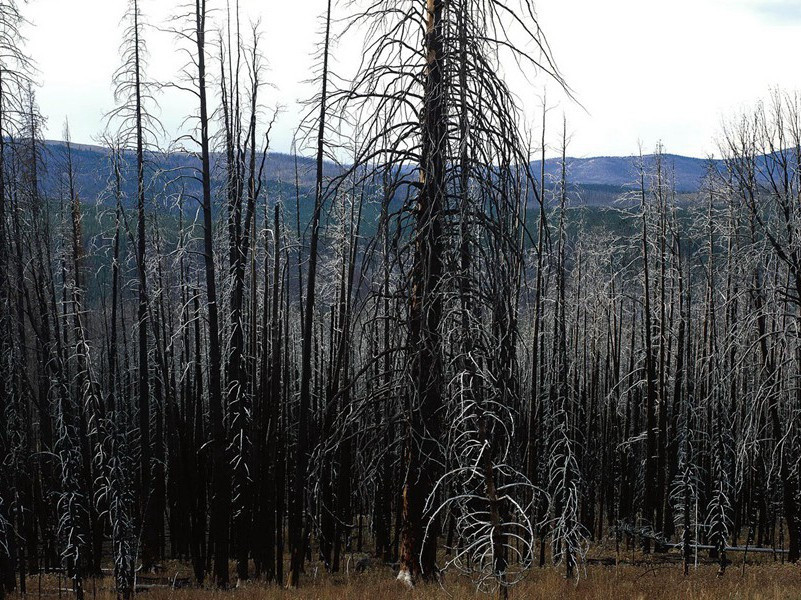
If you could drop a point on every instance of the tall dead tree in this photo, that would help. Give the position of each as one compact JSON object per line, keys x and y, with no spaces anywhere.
{"x":15,"y":69}
{"x":132,"y":94}
{"x":297,"y":507}
{"x":412,"y":123}
{"x":220,"y":482}
{"x":245,"y":160}
{"x":762,"y":155}
{"x":649,"y":486}
{"x":193,"y":32}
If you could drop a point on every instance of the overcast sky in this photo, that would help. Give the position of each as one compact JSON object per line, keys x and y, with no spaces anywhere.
{"x":644,"y":70}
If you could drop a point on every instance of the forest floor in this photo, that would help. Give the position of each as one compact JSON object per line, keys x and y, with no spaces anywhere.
{"x":647,"y":579}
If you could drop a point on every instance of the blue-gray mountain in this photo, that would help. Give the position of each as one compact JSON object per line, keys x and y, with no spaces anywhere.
{"x":596,"y":181}
{"x":623,"y":172}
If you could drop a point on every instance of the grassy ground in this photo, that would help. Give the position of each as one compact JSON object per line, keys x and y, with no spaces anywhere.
{"x":766,"y":580}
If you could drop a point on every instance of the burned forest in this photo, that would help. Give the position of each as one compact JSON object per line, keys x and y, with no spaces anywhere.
{"x":403,"y":347}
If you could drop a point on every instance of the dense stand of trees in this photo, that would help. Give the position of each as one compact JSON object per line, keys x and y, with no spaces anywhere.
{"x":471,"y":377}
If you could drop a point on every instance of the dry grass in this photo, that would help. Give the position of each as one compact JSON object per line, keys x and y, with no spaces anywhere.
{"x":765,"y":581}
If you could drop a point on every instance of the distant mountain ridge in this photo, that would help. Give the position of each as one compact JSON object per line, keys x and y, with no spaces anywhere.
{"x":598,"y":179}
{"x":623,"y":171}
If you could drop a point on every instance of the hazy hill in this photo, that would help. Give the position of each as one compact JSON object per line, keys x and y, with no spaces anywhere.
{"x":622,"y":172}
{"x":176,"y":171}
{"x":597,"y":180}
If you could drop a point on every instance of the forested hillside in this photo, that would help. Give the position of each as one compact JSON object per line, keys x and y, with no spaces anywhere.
{"x":592,"y":181}
{"x":436,"y":354}
{"x":615,"y":172}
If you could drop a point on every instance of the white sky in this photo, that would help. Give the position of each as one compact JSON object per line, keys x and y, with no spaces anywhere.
{"x":645,"y":70}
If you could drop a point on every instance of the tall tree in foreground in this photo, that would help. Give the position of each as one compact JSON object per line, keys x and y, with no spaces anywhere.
{"x":418,"y":552}
{"x":411,"y":123}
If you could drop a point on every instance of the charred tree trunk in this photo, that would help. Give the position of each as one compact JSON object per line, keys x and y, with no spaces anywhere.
{"x":418,"y":551}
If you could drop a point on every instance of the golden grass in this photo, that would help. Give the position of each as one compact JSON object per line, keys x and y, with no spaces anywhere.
{"x":765,"y":581}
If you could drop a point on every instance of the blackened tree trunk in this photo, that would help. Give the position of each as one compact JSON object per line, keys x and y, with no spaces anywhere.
{"x":649,"y":489}
{"x":297,"y":514}
{"x":220,"y":470}
{"x":424,"y":401}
